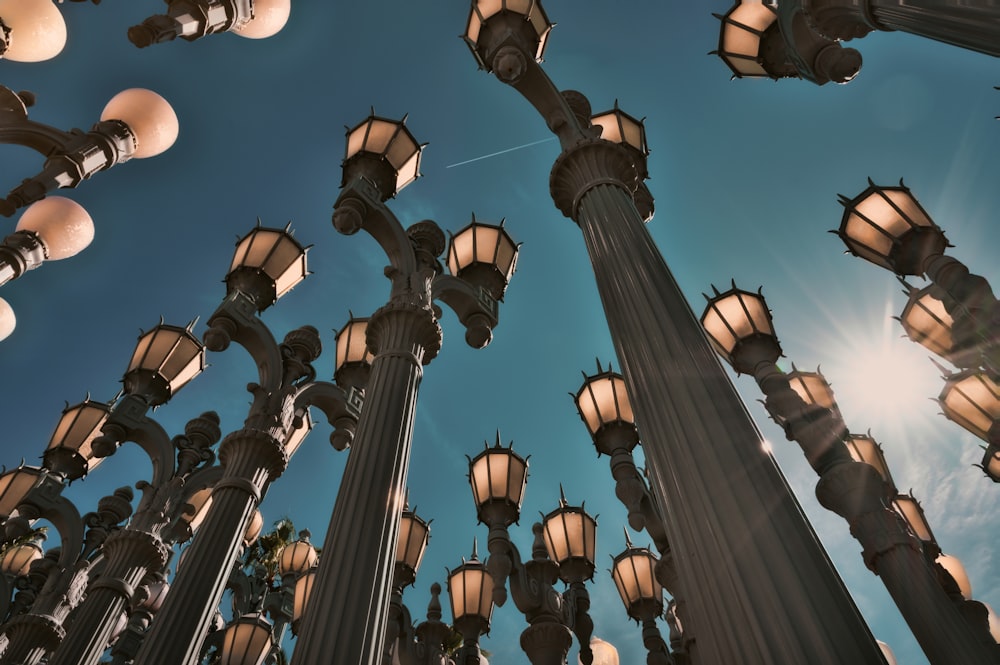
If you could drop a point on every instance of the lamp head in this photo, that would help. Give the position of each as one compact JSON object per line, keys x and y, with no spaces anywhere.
{"x":31,"y":30}
{"x":266,"y":265}
{"x":603,"y":404}
{"x":739,"y":326}
{"x":148,"y":116}
{"x":63,"y":225}
{"x":498,"y":477}
{"x":492,"y":24}
{"x":164,"y":360}
{"x":384,"y":152}
{"x":484,"y":255}
{"x":269,"y":17}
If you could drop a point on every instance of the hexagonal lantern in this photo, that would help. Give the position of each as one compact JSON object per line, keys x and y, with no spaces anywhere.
{"x":972,"y":399}
{"x":498,"y":477}
{"x":488,"y":18}
{"x":14,"y":487}
{"x":605,"y":409}
{"x":164,"y":360}
{"x":913,"y":513}
{"x":484,"y":255}
{"x":634,"y":574}
{"x":739,"y":326}
{"x":69,"y":451}
{"x":991,"y":463}
{"x":570,"y":535}
{"x":411,"y":542}
{"x":927,"y":322}
{"x":266,"y":265}
{"x":470,"y":589}
{"x":741,"y":38}
{"x":863,"y":448}
{"x":385,"y":152}
{"x":888,"y":227}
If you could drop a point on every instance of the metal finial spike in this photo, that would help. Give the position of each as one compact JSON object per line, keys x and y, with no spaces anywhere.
{"x":599,"y":368}
{"x":716,"y":291}
{"x":192,"y":324}
{"x":628,"y":541}
{"x":259,"y":224}
{"x":843,"y":200}
{"x":562,"y":496}
{"x":475,"y":550}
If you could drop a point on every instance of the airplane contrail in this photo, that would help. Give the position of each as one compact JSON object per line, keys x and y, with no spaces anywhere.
{"x":494,"y":154}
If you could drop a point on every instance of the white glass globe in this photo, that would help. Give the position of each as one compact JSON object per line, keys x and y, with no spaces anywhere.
{"x":149,"y":116}
{"x":7,"y":319}
{"x":269,"y":17}
{"x":63,"y":226}
{"x":37,"y":29}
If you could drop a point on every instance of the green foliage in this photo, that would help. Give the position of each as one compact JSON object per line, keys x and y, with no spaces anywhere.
{"x":266,"y":551}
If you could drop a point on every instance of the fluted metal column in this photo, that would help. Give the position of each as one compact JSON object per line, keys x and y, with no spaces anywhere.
{"x":251,"y":459}
{"x":129,"y":555}
{"x":766,"y":591}
{"x":346,"y":617}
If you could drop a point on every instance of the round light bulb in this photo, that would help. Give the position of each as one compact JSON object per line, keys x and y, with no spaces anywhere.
{"x":37,"y":29}
{"x":63,"y":226}
{"x":7,"y":319}
{"x":269,"y":17}
{"x":149,"y":116}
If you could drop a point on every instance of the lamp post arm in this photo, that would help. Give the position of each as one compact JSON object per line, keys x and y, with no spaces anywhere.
{"x":341,"y":408}
{"x":191,"y":20}
{"x":817,"y":58}
{"x":358,"y":207}
{"x":45,"y":500}
{"x":128,"y":422}
{"x":236,"y":320}
{"x":16,"y":128}
{"x":476,"y":309}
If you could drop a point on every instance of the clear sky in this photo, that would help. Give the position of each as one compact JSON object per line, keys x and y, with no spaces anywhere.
{"x":745,"y":174}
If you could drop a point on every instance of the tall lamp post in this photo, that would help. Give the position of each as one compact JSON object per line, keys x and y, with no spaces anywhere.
{"x":767,"y":592}
{"x":351,"y":610}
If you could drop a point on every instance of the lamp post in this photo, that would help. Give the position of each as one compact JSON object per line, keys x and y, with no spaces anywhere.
{"x":801,"y":38}
{"x":267,"y":263}
{"x":194,"y":19}
{"x":471,"y":591}
{"x":634,"y":573}
{"x":739,"y":324}
{"x":136,"y":123}
{"x":563,"y":549}
{"x":704,"y":453}
{"x":403,"y":336}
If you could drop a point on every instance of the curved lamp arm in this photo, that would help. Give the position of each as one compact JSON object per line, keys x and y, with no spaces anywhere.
{"x":236,"y":320}
{"x":476,"y":309}
{"x":360,"y":206}
{"x":128,"y":422}
{"x":342,"y":409}
{"x":16,"y":128}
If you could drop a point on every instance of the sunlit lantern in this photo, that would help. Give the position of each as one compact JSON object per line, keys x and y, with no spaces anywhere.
{"x":303,"y":589}
{"x":149,"y":116}
{"x":571,"y":539}
{"x":813,"y":388}
{"x":863,"y":448}
{"x":956,"y":569}
{"x":913,"y":513}
{"x":352,"y":345}
{"x":247,"y":641}
{"x":484,"y":255}
{"x":470,"y":589}
{"x":17,"y":560}
{"x":498,"y":477}
{"x":14,"y":487}
{"x":604,"y":653}
{"x":267,"y":264}
{"x":414,"y":533}
{"x":739,"y":326}
{"x":165,"y":359}
{"x":35,"y":30}
{"x":972,"y":399}
{"x":269,"y":17}
{"x":69,"y":451}
{"x":527,"y":15}
{"x":619,"y":127}
{"x":887,"y":226}
{"x":298,"y":557}
{"x":742,"y":30}
{"x":385,"y":151}
{"x":604,"y":406}
{"x":63,"y":226}
{"x":634,"y":574}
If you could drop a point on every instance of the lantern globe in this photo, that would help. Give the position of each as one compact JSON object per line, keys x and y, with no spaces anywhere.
{"x":913,"y":514}
{"x":411,"y":543}
{"x":354,"y":360}
{"x":633,"y":572}
{"x":470,"y":589}
{"x":266,"y":265}
{"x":738,"y":324}
{"x":484,"y":255}
{"x":954,"y":567}
{"x":14,"y":487}
{"x":570,"y":536}
{"x":70,"y":450}
{"x":888,"y":227}
{"x":17,"y":560}
{"x":37,"y":30}
{"x":741,"y":37}
{"x":863,"y":448}
{"x":604,"y":653}
{"x":498,"y":477}
{"x":148,"y":116}
{"x":383,"y":151}
{"x":164,"y":360}
{"x":971,"y":398}
{"x":269,"y":17}
{"x":604,"y":406}
{"x":8,"y":320}
{"x":64,"y":227}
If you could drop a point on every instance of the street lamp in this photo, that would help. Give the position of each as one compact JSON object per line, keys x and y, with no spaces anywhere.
{"x":70,"y":450}
{"x":971,"y":398}
{"x":194,"y":19}
{"x":739,"y":323}
{"x":49,"y":230}
{"x":471,"y":591}
{"x":31,"y":30}
{"x":135,"y":123}
{"x":703,"y":451}
{"x":634,"y":574}
{"x":247,"y":641}
{"x":805,"y":41}
{"x":382,"y":157}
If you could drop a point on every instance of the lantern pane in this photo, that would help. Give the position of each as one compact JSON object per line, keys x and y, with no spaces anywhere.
{"x":141,"y":348}
{"x":506,"y":255}
{"x":254,"y":528}
{"x":356,"y":139}
{"x":608,"y":122}
{"x":737,"y":40}
{"x":487,"y":239}
{"x":352,"y":344}
{"x":14,"y":487}
{"x":865,"y":449}
{"x":488,"y":8}
{"x":633,"y":133}
{"x":911,"y":512}
{"x":380,"y":133}
{"x":246,"y":642}
{"x":303,"y":589}
{"x":928,"y":323}
{"x":258,"y":246}
{"x":475,"y":25}
{"x":519,"y":6}
{"x":973,"y":401}
{"x":78,"y":427}
{"x":402,"y":149}
{"x":293,"y":272}
{"x":198,"y":503}
{"x":408,"y":172}
{"x":462,"y":251}
{"x":812,"y":388}
{"x":298,"y":434}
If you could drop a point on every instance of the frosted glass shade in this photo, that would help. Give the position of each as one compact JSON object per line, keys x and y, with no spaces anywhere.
{"x":470,"y":589}
{"x":739,"y":326}
{"x":603,"y":400}
{"x":247,"y":641}
{"x":633,"y":572}
{"x":570,"y":536}
{"x":269,"y":17}
{"x":74,"y":437}
{"x":484,"y":255}
{"x":17,"y":560}
{"x":14,"y":486}
{"x":149,"y":116}
{"x":498,"y":477}
{"x":273,"y":254}
{"x":8,"y":321}
{"x":298,"y":557}
{"x":63,"y":226}
{"x":971,"y":399}
{"x":743,"y":28}
{"x":37,"y":30}
{"x":303,"y":589}
{"x":164,"y":360}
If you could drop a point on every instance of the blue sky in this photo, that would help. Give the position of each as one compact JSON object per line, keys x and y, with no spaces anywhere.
{"x":745,"y":174}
